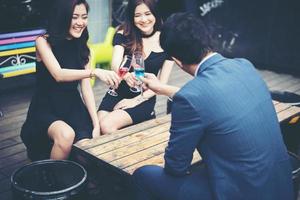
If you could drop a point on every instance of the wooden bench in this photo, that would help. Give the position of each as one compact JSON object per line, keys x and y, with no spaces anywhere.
{"x":144,"y":143}
{"x":133,"y":147}
{"x":111,"y":159}
{"x":17,"y":53}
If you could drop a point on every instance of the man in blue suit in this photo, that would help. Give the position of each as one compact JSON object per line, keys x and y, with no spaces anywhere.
{"x":227,"y":114}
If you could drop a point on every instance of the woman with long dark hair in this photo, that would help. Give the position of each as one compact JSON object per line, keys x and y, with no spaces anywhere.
{"x":57,"y":112}
{"x":139,"y":32}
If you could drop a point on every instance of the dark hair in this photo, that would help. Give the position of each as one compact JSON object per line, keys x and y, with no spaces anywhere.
{"x":133,"y":34}
{"x":185,"y":37}
{"x":59,"y":23}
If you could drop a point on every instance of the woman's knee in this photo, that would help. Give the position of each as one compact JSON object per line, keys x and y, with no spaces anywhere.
{"x":115,"y":121}
{"x":107,"y":126}
{"x":65,"y":140}
{"x":62,"y":134}
{"x":68,"y":136}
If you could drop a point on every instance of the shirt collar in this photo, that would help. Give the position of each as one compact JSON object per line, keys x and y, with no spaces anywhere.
{"x":202,"y":61}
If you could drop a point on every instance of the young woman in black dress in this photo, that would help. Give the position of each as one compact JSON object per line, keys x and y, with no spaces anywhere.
{"x":57,"y":111}
{"x":139,"y":32}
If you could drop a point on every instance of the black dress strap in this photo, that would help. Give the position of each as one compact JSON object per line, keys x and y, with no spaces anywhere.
{"x":119,"y":39}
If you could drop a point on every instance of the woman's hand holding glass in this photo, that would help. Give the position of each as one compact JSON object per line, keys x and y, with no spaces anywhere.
{"x":130,"y":79}
{"x":122,"y":71}
{"x":107,"y":76}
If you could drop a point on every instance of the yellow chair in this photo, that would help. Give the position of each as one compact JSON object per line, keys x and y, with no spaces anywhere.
{"x":101,"y":53}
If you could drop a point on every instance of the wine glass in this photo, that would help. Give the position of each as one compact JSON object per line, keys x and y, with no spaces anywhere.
{"x":139,"y":69}
{"x":123,"y":69}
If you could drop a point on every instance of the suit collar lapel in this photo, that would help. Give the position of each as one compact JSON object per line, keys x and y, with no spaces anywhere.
{"x":210,"y":61}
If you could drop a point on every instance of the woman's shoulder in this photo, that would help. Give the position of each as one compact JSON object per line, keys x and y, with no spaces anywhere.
{"x":42,"y":39}
{"x":41,"y":43}
{"x":121,"y":32}
{"x":119,"y":38}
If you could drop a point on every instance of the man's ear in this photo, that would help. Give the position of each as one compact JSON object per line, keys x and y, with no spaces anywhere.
{"x":178,"y":62}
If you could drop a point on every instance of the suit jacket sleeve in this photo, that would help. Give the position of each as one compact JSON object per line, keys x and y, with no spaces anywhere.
{"x":186,"y":131}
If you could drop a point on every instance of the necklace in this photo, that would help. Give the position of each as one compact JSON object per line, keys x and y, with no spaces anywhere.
{"x":151,"y":34}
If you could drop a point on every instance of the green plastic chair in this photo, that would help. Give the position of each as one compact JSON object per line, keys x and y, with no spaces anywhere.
{"x":101,"y":53}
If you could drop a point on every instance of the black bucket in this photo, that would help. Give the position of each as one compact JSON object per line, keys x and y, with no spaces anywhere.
{"x":49,"y":179}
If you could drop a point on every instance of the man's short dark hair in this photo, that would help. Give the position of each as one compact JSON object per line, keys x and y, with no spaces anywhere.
{"x":185,"y":37}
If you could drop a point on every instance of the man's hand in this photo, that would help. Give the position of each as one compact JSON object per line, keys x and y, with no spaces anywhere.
{"x":151,"y":81}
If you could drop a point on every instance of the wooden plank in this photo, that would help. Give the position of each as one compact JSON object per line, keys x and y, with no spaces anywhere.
{"x":13,"y":159}
{"x":11,"y":150}
{"x":157,"y":160}
{"x":10,"y":134}
{"x":10,"y":142}
{"x":284,"y":86}
{"x":16,"y":107}
{"x":11,"y":116}
{"x":13,"y":126}
{"x":140,"y":156}
{"x":124,"y":132}
{"x":127,"y":140}
{"x":14,"y":110}
{"x":281,"y":106}
{"x":276,"y":82}
{"x":268,"y":75}
{"x":11,"y":168}
{"x":10,"y":98}
{"x":10,"y":122}
{"x":294,"y":88}
{"x":288,"y":113}
{"x":134,"y":147}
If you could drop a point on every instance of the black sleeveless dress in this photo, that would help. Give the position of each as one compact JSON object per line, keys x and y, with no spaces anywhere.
{"x":145,"y":110}
{"x":54,"y":101}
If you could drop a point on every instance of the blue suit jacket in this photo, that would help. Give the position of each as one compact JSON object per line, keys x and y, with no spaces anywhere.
{"x":227,"y":114}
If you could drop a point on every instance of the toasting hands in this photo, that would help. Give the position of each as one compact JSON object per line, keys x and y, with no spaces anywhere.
{"x":130,"y":79}
{"x":153,"y":83}
{"x":109,"y":77}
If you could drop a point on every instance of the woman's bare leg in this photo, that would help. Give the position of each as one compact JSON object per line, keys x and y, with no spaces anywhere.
{"x":115,"y":120}
{"x":63,"y":136}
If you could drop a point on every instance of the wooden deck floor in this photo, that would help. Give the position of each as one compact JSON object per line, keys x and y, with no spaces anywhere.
{"x":14,"y":104}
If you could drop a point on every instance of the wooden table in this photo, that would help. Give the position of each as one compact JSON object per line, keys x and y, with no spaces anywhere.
{"x":145,"y":143}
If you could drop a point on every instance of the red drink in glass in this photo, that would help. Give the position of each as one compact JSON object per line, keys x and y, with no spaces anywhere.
{"x":122,"y":71}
